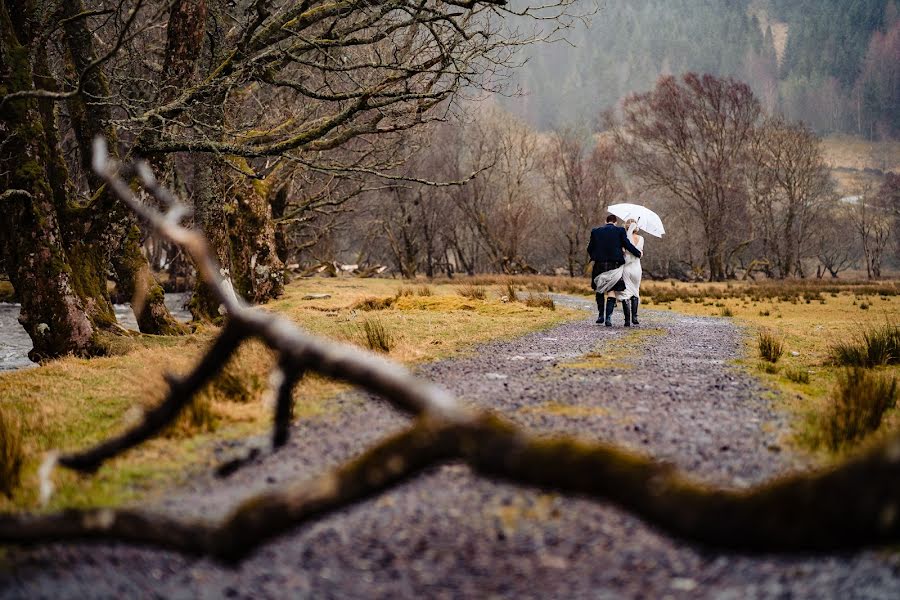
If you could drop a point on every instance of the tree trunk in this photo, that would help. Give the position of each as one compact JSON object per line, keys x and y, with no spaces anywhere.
{"x":235,"y":215}
{"x":257,"y":271}
{"x":52,"y":312}
{"x":113,"y":230}
{"x":232,"y":209}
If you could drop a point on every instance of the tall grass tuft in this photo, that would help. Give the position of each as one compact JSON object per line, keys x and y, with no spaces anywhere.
{"x":770,"y":347}
{"x":376,"y":336}
{"x":726,"y":312}
{"x":876,"y":346}
{"x":859,"y":400}
{"x":12,"y":452}
{"x":511,"y":291}
{"x":475,"y":292}
{"x":540,"y":301}
{"x":797,"y":375}
{"x":373,"y":303}
{"x":197,"y":417}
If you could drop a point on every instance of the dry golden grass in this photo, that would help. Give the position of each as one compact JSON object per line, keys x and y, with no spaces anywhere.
{"x":12,"y":454}
{"x":562,"y":409}
{"x":859,"y":403}
{"x":614,"y":353}
{"x":474,"y":292}
{"x":72,"y":403}
{"x":809,"y":318}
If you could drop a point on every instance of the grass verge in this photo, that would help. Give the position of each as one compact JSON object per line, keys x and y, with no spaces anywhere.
{"x":809,"y":319}
{"x":73,"y":403}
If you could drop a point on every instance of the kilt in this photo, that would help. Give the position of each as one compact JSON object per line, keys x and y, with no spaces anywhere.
{"x":602,"y":267}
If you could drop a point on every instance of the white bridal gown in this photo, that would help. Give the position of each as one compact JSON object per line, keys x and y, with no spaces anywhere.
{"x":632,"y":273}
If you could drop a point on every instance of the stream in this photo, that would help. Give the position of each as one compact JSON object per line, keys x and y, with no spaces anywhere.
{"x":15,"y":343}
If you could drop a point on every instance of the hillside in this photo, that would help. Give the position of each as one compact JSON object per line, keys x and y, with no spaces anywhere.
{"x":831,"y":63}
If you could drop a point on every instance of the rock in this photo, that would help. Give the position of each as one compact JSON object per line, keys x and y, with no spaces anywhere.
{"x":683,"y":584}
{"x":316,"y":296}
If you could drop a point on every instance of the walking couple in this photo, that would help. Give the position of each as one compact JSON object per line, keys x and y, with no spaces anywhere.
{"x":616,"y":275}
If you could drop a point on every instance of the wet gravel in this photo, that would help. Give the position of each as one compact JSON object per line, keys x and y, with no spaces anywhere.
{"x":449,"y":534}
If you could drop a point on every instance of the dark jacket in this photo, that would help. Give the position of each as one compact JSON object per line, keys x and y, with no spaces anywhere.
{"x":607,"y":242}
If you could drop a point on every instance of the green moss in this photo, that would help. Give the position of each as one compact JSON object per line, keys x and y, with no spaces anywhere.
{"x":89,"y":282}
{"x":7,"y":293}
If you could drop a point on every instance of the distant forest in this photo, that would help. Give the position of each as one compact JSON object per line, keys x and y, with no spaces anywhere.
{"x":832,"y":63}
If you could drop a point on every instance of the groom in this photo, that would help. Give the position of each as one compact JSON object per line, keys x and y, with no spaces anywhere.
{"x":605,"y":249}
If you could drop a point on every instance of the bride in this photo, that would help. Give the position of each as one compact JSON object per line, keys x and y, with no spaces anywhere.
{"x":632,"y":275}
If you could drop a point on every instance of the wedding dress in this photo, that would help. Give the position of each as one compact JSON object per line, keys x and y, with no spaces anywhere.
{"x":632,"y":271}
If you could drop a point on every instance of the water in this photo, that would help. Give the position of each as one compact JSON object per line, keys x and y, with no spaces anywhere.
{"x":15,"y":343}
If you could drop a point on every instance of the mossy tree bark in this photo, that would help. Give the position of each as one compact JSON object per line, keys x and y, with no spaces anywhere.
{"x":47,"y":283}
{"x":110,"y":228}
{"x":234,"y":213}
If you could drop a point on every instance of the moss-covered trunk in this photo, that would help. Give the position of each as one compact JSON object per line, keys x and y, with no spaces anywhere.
{"x":112,"y":228}
{"x":234,"y":213}
{"x":257,"y":270}
{"x":53,"y":313}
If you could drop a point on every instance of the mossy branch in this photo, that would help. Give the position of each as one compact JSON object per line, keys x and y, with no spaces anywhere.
{"x":844,"y":508}
{"x":849,"y":506}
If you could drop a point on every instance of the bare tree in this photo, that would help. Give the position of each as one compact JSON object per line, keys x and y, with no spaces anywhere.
{"x":790,"y":189}
{"x":835,"y":250}
{"x":582,"y":180}
{"x":690,"y":138}
{"x":873,"y":223}
{"x":234,"y":90}
{"x":502,"y":205}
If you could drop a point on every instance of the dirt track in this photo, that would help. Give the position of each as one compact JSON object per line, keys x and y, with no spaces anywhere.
{"x":671,"y":393}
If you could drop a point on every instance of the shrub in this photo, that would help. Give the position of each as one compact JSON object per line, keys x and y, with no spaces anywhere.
{"x":726,"y":312}
{"x":876,"y":346}
{"x":770,"y":347}
{"x":858,"y":403}
{"x":764,"y":313}
{"x":540,"y":301}
{"x":12,"y":452}
{"x":797,"y":375}
{"x":376,"y":336}
{"x":863,"y":306}
{"x":372,"y":303}
{"x":475,"y":292}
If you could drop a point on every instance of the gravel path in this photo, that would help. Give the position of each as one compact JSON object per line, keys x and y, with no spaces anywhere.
{"x":449,"y":534}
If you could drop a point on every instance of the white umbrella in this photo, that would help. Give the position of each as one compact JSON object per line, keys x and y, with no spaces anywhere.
{"x":647,"y":220}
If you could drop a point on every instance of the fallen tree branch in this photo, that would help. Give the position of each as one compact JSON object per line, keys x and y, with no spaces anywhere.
{"x":846,"y":507}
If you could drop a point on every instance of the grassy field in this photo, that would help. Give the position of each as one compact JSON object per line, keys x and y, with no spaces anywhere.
{"x":809,"y":318}
{"x":72,"y":403}
{"x":856,"y":162}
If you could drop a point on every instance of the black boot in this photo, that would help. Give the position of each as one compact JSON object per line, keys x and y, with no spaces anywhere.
{"x":626,"y":308}
{"x":634,"y":304}
{"x":610,"y":308}
{"x":600,"y":307}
